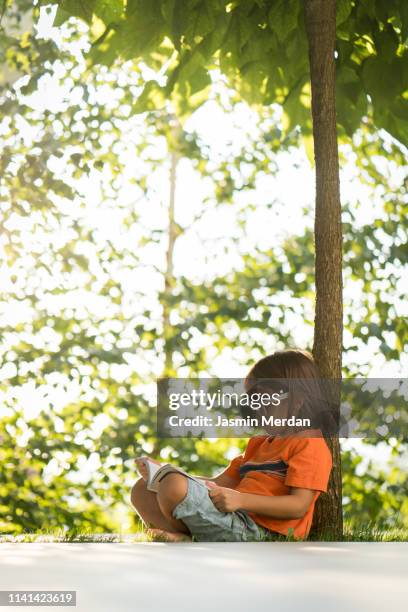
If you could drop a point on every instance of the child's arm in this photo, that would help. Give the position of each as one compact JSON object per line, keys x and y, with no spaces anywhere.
{"x":292,"y":506}
{"x":222,"y":480}
{"x":230,"y":477}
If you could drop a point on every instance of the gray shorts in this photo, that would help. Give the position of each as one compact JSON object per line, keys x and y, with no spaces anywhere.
{"x":207,"y":524}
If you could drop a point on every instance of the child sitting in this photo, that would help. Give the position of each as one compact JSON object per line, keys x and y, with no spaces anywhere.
{"x":271,"y":488}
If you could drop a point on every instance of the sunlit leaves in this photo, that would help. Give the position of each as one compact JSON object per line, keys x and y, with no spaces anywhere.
{"x":76,"y":8}
{"x":261,"y":48}
{"x":109,"y":11}
{"x":373,"y":495}
{"x":82,"y":343}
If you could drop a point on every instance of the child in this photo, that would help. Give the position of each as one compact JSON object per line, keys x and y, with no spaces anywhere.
{"x":271,"y":488}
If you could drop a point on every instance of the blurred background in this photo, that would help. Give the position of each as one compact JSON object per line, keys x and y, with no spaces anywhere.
{"x":134,"y":246}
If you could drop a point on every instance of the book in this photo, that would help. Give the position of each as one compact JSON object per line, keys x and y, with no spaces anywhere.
{"x":157,"y":471}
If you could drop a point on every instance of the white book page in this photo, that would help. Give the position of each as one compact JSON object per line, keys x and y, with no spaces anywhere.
{"x":164,"y":468}
{"x":152,"y":469}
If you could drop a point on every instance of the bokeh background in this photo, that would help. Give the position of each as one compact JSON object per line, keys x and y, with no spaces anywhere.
{"x":135,"y":246}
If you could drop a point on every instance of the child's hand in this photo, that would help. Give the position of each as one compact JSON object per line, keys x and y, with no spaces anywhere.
{"x":224,"y":499}
{"x":141,"y":466}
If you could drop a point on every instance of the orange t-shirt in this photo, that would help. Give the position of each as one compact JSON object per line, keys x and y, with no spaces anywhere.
{"x":271,"y":466}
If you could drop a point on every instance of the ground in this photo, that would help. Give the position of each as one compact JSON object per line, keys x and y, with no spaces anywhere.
{"x":200,"y":577}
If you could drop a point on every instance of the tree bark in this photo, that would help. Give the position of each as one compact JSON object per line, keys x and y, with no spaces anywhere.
{"x":320,"y":21}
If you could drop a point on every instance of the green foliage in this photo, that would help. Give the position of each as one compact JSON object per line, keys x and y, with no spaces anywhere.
{"x":75,"y":8}
{"x":81,"y":340}
{"x":373,"y":495}
{"x":261,"y":47}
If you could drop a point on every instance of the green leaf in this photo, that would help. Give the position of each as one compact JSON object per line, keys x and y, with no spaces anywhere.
{"x":151,"y":98}
{"x":61,"y":17}
{"x":343,"y":10}
{"x":199,"y":80}
{"x":260,"y":45}
{"x":399,"y":109}
{"x":296,"y":112}
{"x":350,"y":111}
{"x":167,"y":9}
{"x":283,"y":17}
{"x":106,"y":51}
{"x":366,"y":7}
{"x":383,"y":80}
{"x":109,"y":10}
{"x":403,"y":11}
{"x":245,"y":29}
{"x":254,"y":77}
{"x":176,"y":23}
{"x":348,"y":82}
{"x":383,"y":9}
{"x":142,"y":32}
{"x":393,"y":125}
{"x":204,"y":22}
{"x":214,"y":40}
{"x":386,"y":42}
{"x":257,"y":48}
{"x":309,"y":147}
{"x":83,"y":9}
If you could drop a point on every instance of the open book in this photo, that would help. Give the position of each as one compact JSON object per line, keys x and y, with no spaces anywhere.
{"x":157,"y":471}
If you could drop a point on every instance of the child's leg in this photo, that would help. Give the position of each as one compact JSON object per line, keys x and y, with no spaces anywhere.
{"x":146,"y":503}
{"x":172,"y":490}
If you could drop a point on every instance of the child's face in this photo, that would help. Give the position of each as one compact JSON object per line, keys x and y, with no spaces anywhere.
{"x":288,"y":406}
{"x":280,"y":410}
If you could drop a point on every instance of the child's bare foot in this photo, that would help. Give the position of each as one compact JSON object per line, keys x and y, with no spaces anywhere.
{"x":160,"y":535}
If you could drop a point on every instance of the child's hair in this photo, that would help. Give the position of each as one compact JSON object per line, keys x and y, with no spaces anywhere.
{"x":275,"y":373}
{"x":291,"y":363}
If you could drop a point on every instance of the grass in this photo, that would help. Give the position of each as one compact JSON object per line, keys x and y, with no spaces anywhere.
{"x":73,"y":537}
{"x":371,"y":533}
{"x":352,"y":533}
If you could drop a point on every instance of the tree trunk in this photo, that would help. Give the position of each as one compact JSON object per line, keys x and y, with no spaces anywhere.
{"x":168,"y":367}
{"x":168,"y":274}
{"x":320,"y":20}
